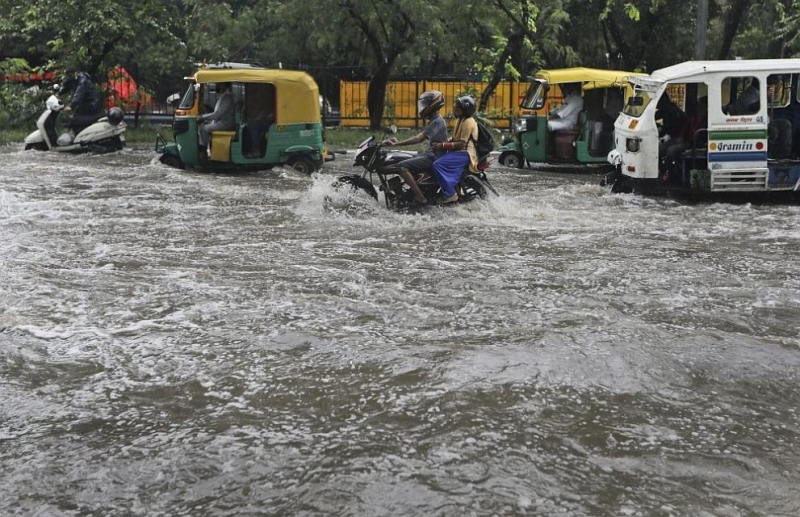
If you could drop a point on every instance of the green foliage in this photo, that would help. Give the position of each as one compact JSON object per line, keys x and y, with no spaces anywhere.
{"x":160,"y":41}
{"x":20,"y":105}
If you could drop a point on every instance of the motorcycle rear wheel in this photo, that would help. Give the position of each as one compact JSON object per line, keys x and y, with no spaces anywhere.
{"x":474,"y":188}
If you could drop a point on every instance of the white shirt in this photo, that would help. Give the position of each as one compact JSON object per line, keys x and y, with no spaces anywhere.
{"x":570,"y":110}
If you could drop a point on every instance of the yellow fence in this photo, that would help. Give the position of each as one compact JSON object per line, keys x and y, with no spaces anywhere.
{"x":401,"y":101}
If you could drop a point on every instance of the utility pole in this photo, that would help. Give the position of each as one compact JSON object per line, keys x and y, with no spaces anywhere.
{"x":702,"y":30}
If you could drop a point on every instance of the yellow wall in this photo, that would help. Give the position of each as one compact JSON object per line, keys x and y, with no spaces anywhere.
{"x":401,"y":101}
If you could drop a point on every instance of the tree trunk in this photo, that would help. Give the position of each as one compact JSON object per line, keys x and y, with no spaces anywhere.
{"x":513,"y":48}
{"x":376,"y":95}
{"x":732,"y":22}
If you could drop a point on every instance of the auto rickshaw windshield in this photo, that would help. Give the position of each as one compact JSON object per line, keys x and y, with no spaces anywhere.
{"x":534,"y":99}
{"x":187,"y":102}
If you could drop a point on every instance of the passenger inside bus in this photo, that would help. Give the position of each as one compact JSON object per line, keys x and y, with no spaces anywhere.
{"x":779,"y":129}
{"x":748,"y":102}
{"x":673,"y":125}
{"x":694,"y":134}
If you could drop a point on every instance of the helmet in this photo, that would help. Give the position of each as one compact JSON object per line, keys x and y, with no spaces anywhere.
{"x":429,"y":103}
{"x":115,"y":115}
{"x":467,"y":105}
{"x":56,"y":88}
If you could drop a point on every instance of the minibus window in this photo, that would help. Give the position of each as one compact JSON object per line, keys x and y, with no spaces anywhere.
{"x":741,"y":95}
{"x":637,"y":103}
{"x":779,"y":90}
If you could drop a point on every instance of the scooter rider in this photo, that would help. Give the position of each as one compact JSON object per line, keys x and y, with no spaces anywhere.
{"x":428,"y":106}
{"x":86,"y":104}
{"x":55,"y":106}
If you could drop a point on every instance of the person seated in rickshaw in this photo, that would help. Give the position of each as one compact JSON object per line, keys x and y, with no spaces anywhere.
{"x":223,"y":118}
{"x":258,"y":124}
{"x":565,"y":117}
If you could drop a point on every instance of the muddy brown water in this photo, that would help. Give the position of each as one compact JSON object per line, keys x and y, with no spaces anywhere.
{"x":175,"y":343}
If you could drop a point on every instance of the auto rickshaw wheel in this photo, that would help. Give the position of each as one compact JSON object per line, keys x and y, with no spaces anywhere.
{"x":171,"y":160}
{"x":511,"y":159}
{"x":303,"y":165}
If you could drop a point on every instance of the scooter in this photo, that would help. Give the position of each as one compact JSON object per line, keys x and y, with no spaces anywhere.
{"x":104,"y":135}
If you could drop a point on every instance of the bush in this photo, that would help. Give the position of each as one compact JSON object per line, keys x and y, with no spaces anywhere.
{"x":20,"y":106}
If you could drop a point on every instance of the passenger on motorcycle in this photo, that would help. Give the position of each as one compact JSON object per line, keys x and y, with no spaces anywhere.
{"x":86,"y":104}
{"x":428,"y":106}
{"x":460,"y":150}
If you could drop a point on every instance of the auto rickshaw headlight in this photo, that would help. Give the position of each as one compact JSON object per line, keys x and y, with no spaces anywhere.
{"x":522,"y":125}
{"x":632,"y":145}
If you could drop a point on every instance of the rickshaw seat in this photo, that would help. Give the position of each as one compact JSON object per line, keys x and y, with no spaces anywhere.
{"x":221,"y":145}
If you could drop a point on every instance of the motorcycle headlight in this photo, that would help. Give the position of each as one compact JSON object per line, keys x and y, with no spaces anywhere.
{"x":522,"y":125}
{"x":632,"y":145}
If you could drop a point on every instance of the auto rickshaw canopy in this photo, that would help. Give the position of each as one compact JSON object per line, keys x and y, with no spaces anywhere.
{"x":590,"y":78}
{"x":297,"y":94}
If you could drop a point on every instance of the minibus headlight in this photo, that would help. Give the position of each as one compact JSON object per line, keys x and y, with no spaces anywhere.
{"x":522,"y":125}
{"x":632,"y":145}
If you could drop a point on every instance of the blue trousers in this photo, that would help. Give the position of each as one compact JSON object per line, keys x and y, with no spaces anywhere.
{"x":448,"y":170}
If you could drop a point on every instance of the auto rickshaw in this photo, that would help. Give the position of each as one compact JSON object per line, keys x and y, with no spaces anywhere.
{"x":604,"y":93}
{"x":277,"y":122}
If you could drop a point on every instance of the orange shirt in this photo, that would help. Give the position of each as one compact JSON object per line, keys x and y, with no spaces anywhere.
{"x":467,"y":131}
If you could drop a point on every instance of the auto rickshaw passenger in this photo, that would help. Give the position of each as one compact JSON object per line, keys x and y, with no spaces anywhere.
{"x":258,"y":125}
{"x":223,"y":118}
{"x":565,"y":117}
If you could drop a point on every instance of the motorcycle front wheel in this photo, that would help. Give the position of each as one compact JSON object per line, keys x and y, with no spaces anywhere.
{"x":356,"y":182}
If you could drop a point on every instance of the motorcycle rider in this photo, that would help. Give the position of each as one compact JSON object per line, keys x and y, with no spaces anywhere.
{"x":55,"y":106}
{"x":460,"y":150}
{"x":86,"y":103}
{"x":428,"y":106}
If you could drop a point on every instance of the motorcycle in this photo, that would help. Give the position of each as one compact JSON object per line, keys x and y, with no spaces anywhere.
{"x":385,"y":165}
{"x":104,"y":135}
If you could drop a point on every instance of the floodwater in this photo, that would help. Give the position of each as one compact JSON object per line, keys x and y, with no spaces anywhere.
{"x":184,"y":344}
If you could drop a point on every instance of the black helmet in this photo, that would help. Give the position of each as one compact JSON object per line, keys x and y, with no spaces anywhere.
{"x":467,"y":105}
{"x":115,"y":116}
{"x":429,"y":103}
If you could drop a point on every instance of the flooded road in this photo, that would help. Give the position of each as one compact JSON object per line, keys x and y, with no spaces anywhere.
{"x":184,"y":344}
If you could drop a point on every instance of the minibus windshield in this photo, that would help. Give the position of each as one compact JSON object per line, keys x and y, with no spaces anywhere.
{"x":637,"y":103}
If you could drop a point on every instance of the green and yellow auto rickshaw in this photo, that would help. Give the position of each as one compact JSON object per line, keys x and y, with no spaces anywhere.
{"x":603,"y":93}
{"x":277,"y":122}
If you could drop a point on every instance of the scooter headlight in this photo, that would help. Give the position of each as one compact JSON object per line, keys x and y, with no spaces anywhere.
{"x":522,"y":125}
{"x":632,"y":144}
